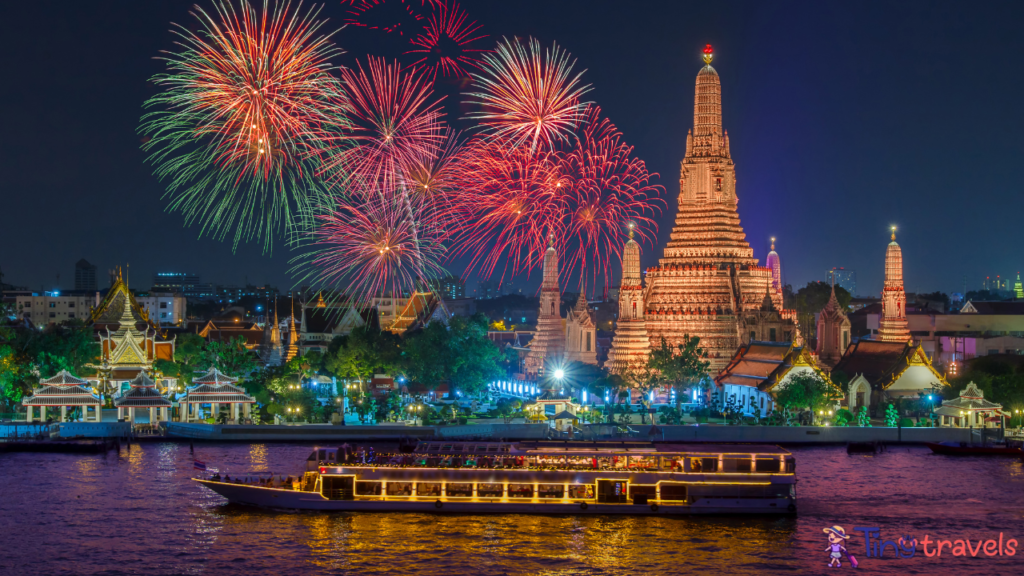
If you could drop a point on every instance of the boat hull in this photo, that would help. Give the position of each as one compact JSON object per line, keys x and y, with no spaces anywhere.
{"x":973,"y":450}
{"x":294,"y":500}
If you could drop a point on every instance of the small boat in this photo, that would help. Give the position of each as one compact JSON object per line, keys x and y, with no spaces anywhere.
{"x":537,"y":478}
{"x":965,"y":449}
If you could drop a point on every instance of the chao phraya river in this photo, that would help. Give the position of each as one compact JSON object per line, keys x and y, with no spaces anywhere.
{"x":140,"y":514}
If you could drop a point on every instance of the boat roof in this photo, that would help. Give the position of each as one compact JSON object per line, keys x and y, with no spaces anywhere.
{"x":582,"y":448}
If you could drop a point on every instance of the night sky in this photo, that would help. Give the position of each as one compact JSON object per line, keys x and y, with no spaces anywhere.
{"x":843,"y":119}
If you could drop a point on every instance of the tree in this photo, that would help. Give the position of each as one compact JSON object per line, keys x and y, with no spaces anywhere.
{"x":642,"y":378}
{"x":684,"y":365}
{"x":459,"y":353}
{"x":808,"y":391}
{"x":863,"y":418}
{"x":891,"y":416}
{"x":232,"y":357}
{"x":362,"y":353}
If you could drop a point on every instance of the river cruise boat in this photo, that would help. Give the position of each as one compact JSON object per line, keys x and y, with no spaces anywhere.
{"x":537,"y":478}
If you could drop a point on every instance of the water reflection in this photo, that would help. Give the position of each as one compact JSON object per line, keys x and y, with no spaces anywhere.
{"x":85,"y":514}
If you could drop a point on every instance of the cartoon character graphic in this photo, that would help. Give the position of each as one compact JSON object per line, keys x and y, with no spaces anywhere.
{"x":836,"y":538}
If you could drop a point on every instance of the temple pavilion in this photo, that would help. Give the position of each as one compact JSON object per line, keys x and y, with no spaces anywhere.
{"x":215,"y":389}
{"x":970,"y":410}
{"x":63,"y":390}
{"x":130,"y":342}
{"x":143,"y":395}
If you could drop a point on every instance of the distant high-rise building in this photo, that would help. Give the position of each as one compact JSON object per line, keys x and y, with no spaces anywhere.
{"x":85,"y":275}
{"x":450,"y":287}
{"x":844,"y":278}
{"x":190,"y":285}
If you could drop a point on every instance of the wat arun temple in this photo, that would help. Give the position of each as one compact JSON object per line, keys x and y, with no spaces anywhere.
{"x":707,"y":283}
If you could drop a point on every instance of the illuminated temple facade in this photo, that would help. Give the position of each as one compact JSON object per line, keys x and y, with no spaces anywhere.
{"x":559,"y":341}
{"x":893,"y":326}
{"x":708,"y":283}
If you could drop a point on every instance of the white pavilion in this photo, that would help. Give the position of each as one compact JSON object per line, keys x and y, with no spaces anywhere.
{"x":215,"y":389}
{"x":143,"y":395}
{"x":970,"y":410}
{"x":63,"y":390}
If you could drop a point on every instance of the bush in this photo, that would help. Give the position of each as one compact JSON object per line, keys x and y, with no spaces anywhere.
{"x":906,"y":422}
{"x":843,"y":417}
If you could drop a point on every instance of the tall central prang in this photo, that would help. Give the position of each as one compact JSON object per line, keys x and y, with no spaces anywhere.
{"x":708,"y":283}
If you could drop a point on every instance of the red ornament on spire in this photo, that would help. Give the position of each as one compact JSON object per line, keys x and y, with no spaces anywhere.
{"x":708,"y":54}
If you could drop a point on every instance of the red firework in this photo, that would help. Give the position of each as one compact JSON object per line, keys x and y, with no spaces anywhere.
{"x":528,"y":94}
{"x":386,"y":15}
{"x":446,"y":43}
{"x":611,"y":189}
{"x":513,"y":202}
{"x":374,"y":245}
{"x":392,"y":117}
{"x":583,"y":196}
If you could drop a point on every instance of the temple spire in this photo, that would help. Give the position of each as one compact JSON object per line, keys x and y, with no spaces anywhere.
{"x":893,"y":326}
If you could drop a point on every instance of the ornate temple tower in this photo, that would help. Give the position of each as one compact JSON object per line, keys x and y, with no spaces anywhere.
{"x":630,"y":342}
{"x":775,"y":266}
{"x":893,"y":326}
{"x":708,"y":278}
{"x":549,"y":341}
{"x":581,"y":333}
{"x":833,"y":331}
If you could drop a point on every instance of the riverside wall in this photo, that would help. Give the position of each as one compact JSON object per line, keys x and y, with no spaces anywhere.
{"x":702,"y":433}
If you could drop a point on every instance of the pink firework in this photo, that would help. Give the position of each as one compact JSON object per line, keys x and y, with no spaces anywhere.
{"x":374,"y":245}
{"x":392,"y":116}
{"x":390,"y":16}
{"x":611,"y":190}
{"x":527,"y":94}
{"x":446,"y":43}
{"x":512,"y":205}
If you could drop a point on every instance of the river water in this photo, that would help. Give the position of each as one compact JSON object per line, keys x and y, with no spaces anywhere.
{"x":138,"y":513}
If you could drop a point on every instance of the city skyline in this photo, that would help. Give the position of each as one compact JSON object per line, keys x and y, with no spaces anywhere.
{"x":801,"y":161}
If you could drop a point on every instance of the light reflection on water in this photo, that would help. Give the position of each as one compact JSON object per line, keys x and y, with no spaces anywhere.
{"x":140,"y":513}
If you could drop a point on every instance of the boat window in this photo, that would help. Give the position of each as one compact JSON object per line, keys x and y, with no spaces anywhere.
{"x":460,"y":490}
{"x":492,"y":448}
{"x":581,"y":491}
{"x":736,"y":465}
{"x":490,"y":490}
{"x":368,"y":488}
{"x":790,"y":465}
{"x":446,"y":447}
{"x":323,"y":455}
{"x":643,"y":490}
{"x":551,"y":490}
{"x":643,"y":462}
{"x":428,"y":489}
{"x":703,"y":464}
{"x":769,"y":464}
{"x":520,"y":490}
{"x":457,"y":448}
{"x":673,"y":491}
{"x":399,"y":488}
{"x":580,"y":463}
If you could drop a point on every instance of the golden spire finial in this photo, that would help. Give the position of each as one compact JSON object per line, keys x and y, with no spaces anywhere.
{"x":893,"y":233}
{"x":631,"y":226}
{"x":773,"y":243}
{"x":708,"y":54}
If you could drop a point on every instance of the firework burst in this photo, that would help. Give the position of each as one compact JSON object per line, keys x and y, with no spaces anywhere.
{"x":511,"y":204}
{"x":246,"y":103}
{"x":373,"y":245}
{"x":392,"y":118}
{"x":446,"y":44}
{"x":527,"y":94}
{"x":611,"y":189}
{"x":390,"y":16}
